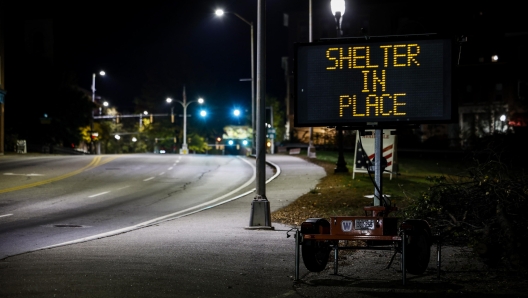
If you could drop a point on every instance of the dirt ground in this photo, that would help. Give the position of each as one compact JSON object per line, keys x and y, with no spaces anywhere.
{"x":364,"y":273}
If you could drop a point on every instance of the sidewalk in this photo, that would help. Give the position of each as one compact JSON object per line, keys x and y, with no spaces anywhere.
{"x":207,"y":254}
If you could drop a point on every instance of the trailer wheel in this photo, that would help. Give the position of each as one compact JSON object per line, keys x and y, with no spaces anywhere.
{"x":418,"y":253}
{"x":315,"y":255}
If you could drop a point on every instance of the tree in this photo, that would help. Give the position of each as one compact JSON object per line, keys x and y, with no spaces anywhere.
{"x":278,"y":117}
{"x":69,"y":111}
{"x":197,"y":143}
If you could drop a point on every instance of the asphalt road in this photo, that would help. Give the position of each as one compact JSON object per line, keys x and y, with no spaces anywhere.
{"x":211,"y":253}
{"x":48,"y":200}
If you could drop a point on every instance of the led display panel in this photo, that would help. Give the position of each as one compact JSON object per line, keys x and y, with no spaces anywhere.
{"x":383,"y":82}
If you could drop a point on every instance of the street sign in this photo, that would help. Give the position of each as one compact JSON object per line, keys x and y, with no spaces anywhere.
{"x":377,"y":82}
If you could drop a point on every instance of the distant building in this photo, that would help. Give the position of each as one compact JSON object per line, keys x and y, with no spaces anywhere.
{"x":492,"y":85}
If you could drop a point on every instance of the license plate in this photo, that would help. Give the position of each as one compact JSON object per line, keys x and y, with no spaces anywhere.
{"x":364,"y":224}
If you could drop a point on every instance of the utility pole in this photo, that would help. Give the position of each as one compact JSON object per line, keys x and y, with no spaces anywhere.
{"x":260,"y":207}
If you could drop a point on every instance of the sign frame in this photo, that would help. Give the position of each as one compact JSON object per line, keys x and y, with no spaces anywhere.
{"x":311,"y":97}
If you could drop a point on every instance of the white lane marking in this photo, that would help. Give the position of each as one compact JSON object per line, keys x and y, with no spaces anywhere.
{"x":178,"y":214}
{"x":161,"y":173}
{"x":32,"y":174}
{"x":99,"y":194}
{"x":5,"y":215}
{"x":169,"y":169}
{"x":149,"y":179}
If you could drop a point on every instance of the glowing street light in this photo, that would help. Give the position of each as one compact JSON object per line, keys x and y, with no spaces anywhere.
{"x":220,"y":13}
{"x":338,"y":10}
{"x":236,"y":112}
{"x":185,"y":104}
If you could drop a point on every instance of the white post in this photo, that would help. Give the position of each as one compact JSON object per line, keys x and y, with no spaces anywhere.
{"x":184,"y":145}
{"x":92,"y":148}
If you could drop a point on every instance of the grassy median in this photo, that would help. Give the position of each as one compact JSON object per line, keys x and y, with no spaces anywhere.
{"x":338,"y":194}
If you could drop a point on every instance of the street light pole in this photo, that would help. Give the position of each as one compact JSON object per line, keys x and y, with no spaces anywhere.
{"x":92,"y":149}
{"x":220,"y":12}
{"x":311,"y":147}
{"x":338,"y":10}
{"x":185,"y":104}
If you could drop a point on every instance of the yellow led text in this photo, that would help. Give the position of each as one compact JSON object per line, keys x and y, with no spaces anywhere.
{"x":400,"y":55}
{"x":375,"y":105}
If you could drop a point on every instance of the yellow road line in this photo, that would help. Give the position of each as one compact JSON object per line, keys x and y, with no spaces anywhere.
{"x":94,"y":163}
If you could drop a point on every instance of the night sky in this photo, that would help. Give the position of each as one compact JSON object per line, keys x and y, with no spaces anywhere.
{"x":164,"y":45}
{"x":161,"y":45}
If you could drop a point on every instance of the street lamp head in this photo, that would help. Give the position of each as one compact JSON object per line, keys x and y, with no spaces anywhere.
{"x":102,"y":73}
{"x":200,"y":100}
{"x":337,"y":6}
{"x":219,"y":12}
{"x":145,"y":112}
{"x":338,"y":10}
{"x":105,"y":103}
{"x":236,"y":112}
{"x":169,"y":100}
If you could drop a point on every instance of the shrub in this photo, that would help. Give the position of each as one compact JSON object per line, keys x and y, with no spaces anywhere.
{"x":484,"y":208}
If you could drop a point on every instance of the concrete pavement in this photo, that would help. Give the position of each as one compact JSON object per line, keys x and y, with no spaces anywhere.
{"x":207,"y":254}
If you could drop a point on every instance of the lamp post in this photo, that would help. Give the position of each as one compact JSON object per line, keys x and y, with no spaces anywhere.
{"x":220,"y":12}
{"x":101,"y":73}
{"x":185,"y":104}
{"x":311,"y":147}
{"x":338,"y":10}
